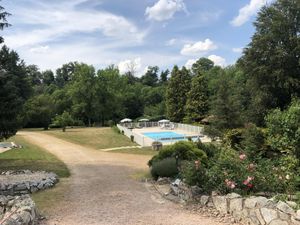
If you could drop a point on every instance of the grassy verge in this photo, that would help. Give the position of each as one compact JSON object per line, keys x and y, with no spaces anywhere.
{"x":31,"y":157}
{"x":137,"y":151}
{"x":98,"y":138}
{"x":141,"y":175}
{"x":46,"y":200}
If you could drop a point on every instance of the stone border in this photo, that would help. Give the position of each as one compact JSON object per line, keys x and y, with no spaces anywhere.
{"x":254,"y":210}
{"x":16,"y":210}
{"x":43,"y":181}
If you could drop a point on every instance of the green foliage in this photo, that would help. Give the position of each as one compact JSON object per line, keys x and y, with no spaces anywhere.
{"x":232,"y":138}
{"x":3,"y":21}
{"x":63,"y":120}
{"x":197,"y":99}
{"x":181,"y":150}
{"x":202,"y":65}
{"x":151,"y":76}
{"x":283,"y":129}
{"x":14,"y":90}
{"x":211,"y":150}
{"x":253,"y":142}
{"x":226,"y":104}
{"x":271,"y":60}
{"x":176,"y":94}
{"x":165,"y":168}
{"x":194,"y":173}
{"x":39,"y":111}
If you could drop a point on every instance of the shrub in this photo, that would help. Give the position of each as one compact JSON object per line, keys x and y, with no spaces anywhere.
{"x":284,"y":129}
{"x":233,"y":138}
{"x":182,"y":150}
{"x":253,"y":142}
{"x":233,"y":171}
{"x":193,"y":173}
{"x":165,"y":168}
{"x":211,"y":150}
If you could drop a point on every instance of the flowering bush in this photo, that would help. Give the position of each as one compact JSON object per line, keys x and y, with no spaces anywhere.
{"x":231,"y":171}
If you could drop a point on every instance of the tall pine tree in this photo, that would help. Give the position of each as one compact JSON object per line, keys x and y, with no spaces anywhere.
{"x":176,"y":95}
{"x":197,"y":99}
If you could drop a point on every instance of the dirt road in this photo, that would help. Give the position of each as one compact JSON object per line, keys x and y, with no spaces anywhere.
{"x":101,"y":190}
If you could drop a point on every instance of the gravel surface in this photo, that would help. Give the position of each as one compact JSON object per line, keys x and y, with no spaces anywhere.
{"x":101,"y":190}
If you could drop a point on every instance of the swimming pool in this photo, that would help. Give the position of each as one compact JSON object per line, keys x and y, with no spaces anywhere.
{"x":167,"y":136}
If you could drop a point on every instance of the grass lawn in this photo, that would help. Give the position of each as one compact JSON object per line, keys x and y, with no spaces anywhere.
{"x":97,"y":138}
{"x":137,"y":151}
{"x":31,"y":157}
{"x":48,"y":199}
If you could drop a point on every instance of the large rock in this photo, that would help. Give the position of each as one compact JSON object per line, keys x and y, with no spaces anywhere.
{"x":268,"y":214}
{"x":283,"y":207}
{"x":204,"y":200}
{"x":255,"y":202}
{"x":278,"y":222}
{"x":236,"y":205}
{"x":220,"y":203}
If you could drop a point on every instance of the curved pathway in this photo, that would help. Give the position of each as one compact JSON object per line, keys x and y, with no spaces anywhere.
{"x":100,"y":190}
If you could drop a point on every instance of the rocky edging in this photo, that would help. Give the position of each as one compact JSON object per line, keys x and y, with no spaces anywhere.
{"x":255,"y":210}
{"x":25,"y":182}
{"x":17,"y":210}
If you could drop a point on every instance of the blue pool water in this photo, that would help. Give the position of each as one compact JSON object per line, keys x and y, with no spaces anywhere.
{"x":167,"y":136}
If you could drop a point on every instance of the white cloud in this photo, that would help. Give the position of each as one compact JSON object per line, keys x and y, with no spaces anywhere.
{"x":190,"y":63}
{"x":198,"y":48}
{"x":130,"y":65}
{"x":55,"y":22}
{"x":171,"y":42}
{"x":237,"y":50}
{"x":218,"y":60}
{"x":40,"y":49}
{"x":247,"y":11}
{"x":164,"y":9}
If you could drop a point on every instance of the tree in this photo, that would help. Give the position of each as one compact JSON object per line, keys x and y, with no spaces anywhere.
{"x":202,"y":65}
{"x":176,"y":94}
{"x":284,"y":129}
{"x":83,"y":93}
{"x":151,"y":77}
{"x":63,"y":120}
{"x":271,"y":60}
{"x":225,"y":106}
{"x":197,"y":99}
{"x":3,"y":21}
{"x":48,"y":77}
{"x":39,"y":111}
{"x":14,"y":90}
{"x":164,"y":76}
{"x":65,"y":74}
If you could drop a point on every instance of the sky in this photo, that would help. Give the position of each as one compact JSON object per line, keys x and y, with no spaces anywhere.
{"x":130,"y":33}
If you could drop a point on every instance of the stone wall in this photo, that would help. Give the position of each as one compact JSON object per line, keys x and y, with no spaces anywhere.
{"x":17,"y":210}
{"x":25,"y":182}
{"x":251,"y":210}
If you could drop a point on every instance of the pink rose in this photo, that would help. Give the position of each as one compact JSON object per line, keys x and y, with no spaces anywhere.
{"x":243,"y":156}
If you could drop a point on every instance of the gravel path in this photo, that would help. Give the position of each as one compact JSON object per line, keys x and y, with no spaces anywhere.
{"x":101,"y":190}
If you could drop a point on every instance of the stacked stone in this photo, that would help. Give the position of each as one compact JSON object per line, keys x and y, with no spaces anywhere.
{"x":17,"y":210}
{"x":255,"y":210}
{"x":27,"y":182}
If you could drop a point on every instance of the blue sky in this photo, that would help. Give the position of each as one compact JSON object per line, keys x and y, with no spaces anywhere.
{"x":129,"y":33}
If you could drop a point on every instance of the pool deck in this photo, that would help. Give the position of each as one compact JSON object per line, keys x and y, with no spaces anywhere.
{"x":149,"y":141}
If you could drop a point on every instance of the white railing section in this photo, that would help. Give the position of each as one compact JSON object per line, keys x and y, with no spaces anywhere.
{"x":139,"y":139}
{"x":189,"y":128}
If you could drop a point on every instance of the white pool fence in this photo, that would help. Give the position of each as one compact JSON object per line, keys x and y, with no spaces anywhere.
{"x":143,"y":141}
